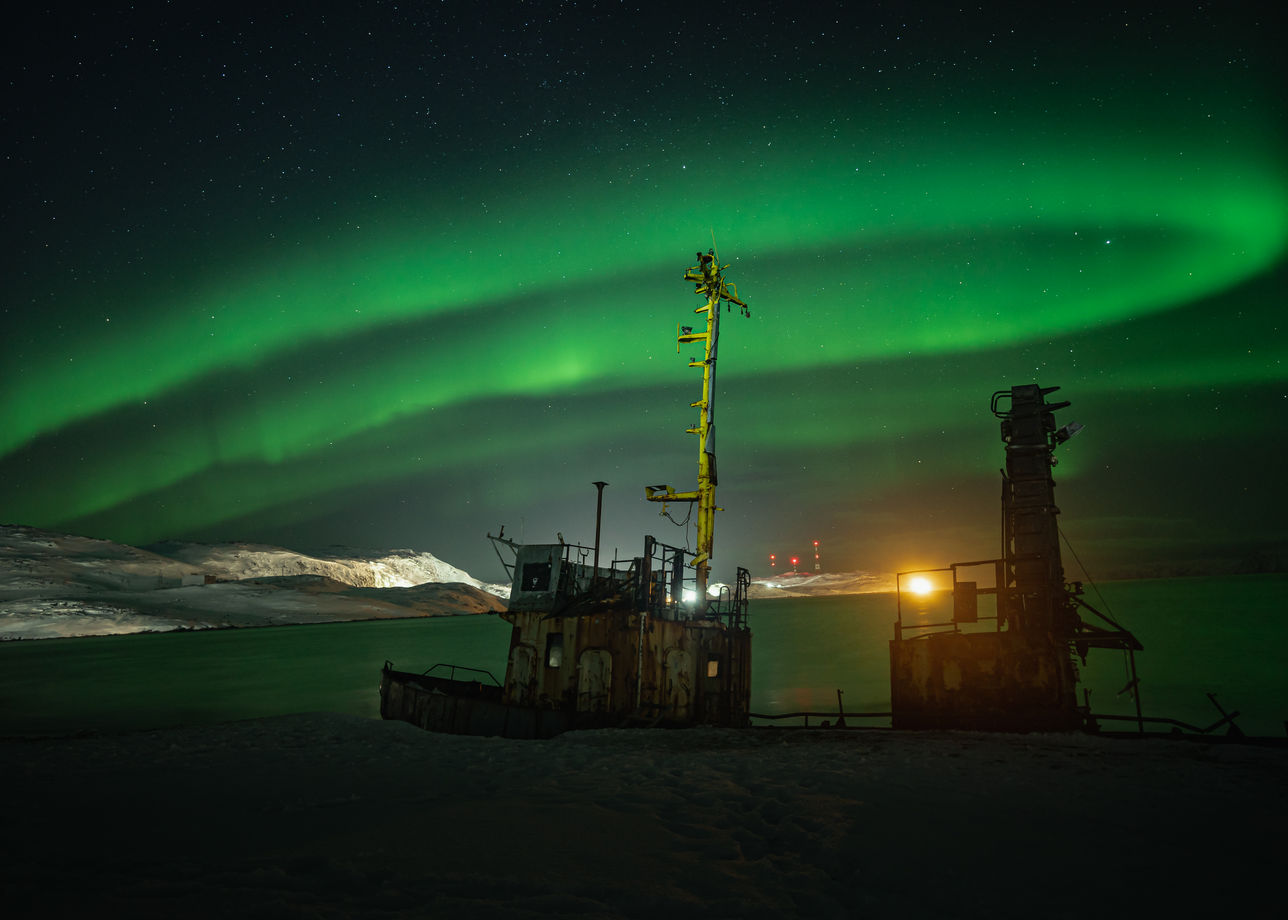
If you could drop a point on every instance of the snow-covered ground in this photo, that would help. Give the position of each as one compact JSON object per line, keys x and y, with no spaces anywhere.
{"x":54,"y":585}
{"x":321,"y":815}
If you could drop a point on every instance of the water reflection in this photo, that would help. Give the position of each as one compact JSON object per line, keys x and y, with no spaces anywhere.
{"x":803,"y":650}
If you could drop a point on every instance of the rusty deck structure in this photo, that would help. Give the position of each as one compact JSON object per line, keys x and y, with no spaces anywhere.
{"x":623,"y":645}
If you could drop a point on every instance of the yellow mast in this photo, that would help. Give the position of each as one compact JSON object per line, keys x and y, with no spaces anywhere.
{"x":708,"y":276}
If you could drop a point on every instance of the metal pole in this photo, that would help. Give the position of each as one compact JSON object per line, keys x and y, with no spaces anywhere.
{"x":599,"y":510}
{"x":1135,"y":690}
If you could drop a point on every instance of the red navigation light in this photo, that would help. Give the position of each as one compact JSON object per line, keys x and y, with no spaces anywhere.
{"x":794,"y":561}
{"x":816,"y":543}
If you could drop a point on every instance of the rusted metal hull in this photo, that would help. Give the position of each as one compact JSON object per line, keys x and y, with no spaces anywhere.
{"x":593,"y":647}
{"x":626,"y":666}
{"x":465,"y":708}
{"x":990,"y":681}
{"x":608,"y":671}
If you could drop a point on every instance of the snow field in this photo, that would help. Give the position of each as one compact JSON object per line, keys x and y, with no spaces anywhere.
{"x":324,"y":815}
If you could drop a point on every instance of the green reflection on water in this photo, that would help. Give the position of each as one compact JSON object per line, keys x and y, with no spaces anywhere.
{"x":122,"y":683}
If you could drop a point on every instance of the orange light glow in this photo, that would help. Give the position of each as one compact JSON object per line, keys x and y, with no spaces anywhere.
{"x":920,"y":585}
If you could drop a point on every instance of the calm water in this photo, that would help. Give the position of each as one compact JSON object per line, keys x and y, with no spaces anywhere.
{"x":1221,"y":635}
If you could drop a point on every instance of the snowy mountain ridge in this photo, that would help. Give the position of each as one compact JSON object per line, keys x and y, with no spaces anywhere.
{"x":398,"y":568}
{"x":60,"y":585}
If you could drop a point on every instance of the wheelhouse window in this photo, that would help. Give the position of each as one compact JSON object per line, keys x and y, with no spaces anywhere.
{"x":713,"y":666}
{"x":536,"y":576}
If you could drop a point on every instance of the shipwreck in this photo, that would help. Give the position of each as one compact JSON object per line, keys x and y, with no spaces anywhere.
{"x":648,"y":640}
{"x":1011,"y":663}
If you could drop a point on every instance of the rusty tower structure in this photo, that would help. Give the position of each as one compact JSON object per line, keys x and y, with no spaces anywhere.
{"x":1037,"y":602}
{"x":1018,"y":672}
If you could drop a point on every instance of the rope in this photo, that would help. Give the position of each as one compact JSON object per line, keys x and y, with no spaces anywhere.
{"x":1086,"y":574}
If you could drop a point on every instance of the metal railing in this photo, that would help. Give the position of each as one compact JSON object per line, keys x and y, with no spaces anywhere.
{"x":453,"y":668}
{"x":839,"y":717}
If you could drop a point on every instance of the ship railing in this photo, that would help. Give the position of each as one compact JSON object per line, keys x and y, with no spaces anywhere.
{"x":822,"y":719}
{"x":731,"y":606}
{"x":661,"y":583}
{"x":666,"y":588}
{"x":965,"y":600}
{"x":452,"y":669}
{"x":581,"y":582}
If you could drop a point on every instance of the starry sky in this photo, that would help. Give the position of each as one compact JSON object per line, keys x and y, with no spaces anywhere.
{"x":395,"y":274}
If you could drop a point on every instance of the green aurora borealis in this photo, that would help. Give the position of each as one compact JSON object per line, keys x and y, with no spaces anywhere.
{"x":410,"y":318}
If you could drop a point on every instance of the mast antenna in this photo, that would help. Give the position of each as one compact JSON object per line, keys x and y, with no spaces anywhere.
{"x":708,"y":276}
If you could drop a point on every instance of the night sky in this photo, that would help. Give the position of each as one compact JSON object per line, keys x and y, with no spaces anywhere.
{"x":393,"y":275}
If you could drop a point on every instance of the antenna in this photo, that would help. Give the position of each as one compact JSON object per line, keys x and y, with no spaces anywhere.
{"x":709,"y":281}
{"x":715,"y":250}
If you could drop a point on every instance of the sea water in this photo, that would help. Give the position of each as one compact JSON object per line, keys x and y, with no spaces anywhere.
{"x":1224,"y":636}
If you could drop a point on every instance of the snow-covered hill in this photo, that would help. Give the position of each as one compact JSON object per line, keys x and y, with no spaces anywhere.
{"x":399,"y":568}
{"x":56,"y":585}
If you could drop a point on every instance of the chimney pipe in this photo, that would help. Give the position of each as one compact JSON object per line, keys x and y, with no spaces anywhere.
{"x":599,"y":510}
